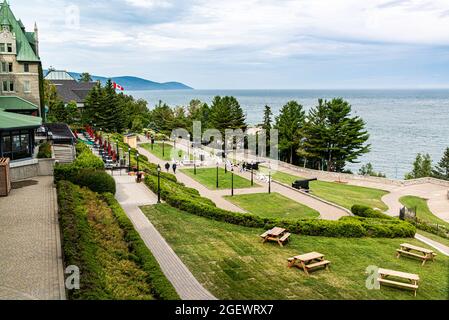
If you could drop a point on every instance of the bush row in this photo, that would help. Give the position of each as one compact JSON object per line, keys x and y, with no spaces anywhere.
{"x":423,"y":225}
{"x":190,"y":201}
{"x":367,"y":212}
{"x":94,"y":241}
{"x":161,"y":287}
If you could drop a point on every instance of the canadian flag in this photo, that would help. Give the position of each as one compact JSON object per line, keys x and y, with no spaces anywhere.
{"x":118,"y":87}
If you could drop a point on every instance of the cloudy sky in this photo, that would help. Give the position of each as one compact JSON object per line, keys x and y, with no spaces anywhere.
{"x":228,"y":44}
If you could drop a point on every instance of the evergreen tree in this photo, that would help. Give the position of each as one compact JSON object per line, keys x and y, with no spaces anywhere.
{"x":226,"y":113}
{"x":57,"y":112}
{"x":334,"y":136}
{"x":162,"y":118}
{"x":441,"y":170}
{"x":422,"y":167}
{"x":85,"y":77}
{"x":289,"y":124}
{"x":267,"y":119}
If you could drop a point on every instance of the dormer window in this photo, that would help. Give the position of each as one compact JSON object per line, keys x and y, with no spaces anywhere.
{"x":2,"y":47}
{"x":9,"y":46}
{"x":6,"y":28}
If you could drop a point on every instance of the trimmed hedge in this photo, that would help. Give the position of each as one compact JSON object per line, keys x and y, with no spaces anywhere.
{"x":95,"y":180}
{"x":367,"y":212}
{"x":94,"y":241}
{"x":161,"y":287}
{"x":190,"y":201}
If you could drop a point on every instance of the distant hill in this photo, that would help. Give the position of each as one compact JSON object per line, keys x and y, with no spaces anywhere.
{"x":135,"y":83}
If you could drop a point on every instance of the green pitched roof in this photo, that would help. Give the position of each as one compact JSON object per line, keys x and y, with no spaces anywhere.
{"x":16,"y":104}
{"x":11,"y":121}
{"x":25,"y":51}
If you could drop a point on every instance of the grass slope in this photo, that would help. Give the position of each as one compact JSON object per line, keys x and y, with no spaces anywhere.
{"x":422,"y":209}
{"x":167,"y":152}
{"x":341,"y":194}
{"x":232,"y":262}
{"x":208,"y":178}
{"x":273,"y":206}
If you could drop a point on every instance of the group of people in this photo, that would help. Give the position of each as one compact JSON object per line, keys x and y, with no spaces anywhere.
{"x":174,"y":167}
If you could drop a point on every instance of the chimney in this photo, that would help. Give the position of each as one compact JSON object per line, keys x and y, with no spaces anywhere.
{"x":36,"y":38}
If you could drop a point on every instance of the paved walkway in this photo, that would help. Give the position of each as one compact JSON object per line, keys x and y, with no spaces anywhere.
{"x":31,"y":265}
{"x":439,"y":246}
{"x":132,"y":196}
{"x":327,"y":212}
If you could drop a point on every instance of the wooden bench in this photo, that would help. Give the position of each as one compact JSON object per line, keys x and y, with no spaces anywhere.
{"x":385,"y":276}
{"x":324,"y":263}
{"x":420,"y":253}
{"x":284,"y":238}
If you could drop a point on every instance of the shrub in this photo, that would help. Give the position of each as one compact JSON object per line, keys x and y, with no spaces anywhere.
{"x":95,"y":180}
{"x":161,"y":287}
{"x":367,"y":212}
{"x":44,"y":151}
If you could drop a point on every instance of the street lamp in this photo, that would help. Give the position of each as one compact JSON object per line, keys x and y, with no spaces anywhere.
{"x":163,"y":147}
{"x":137,"y":157}
{"x":159,"y":184}
{"x":218,"y":167}
{"x":269,"y":182}
{"x":118,"y":152}
{"x":129,"y":159}
{"x":232,"y":182}
{"x":252,"y":176}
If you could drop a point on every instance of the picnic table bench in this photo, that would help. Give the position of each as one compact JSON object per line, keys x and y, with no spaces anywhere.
{"x":278,"y":235}
{"x":385,"y":278}
{"x":309,"y":261}
{"x":416,"y":252}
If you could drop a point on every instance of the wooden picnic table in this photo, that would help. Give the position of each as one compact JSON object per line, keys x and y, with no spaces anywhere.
{"x":416,"y":252}
{"x":309,"y":261}
{"x":278,"y":235}
{"x":411,"y":279}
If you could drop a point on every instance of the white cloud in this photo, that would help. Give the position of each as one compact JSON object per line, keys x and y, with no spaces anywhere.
{"x":150,"y":3}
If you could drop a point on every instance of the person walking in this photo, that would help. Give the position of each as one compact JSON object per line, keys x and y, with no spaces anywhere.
{"x":167,"y":167}
{"x":175,"y":166}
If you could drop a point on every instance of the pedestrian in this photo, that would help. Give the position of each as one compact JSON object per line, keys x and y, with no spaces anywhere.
{"x":167,"y":167}
{"x":175,"y":166}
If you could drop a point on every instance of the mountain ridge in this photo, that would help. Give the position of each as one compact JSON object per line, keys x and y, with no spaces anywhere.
{"x":132,"y":83}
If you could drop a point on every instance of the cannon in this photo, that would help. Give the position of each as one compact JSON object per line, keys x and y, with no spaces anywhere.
{"x":303,"y":184}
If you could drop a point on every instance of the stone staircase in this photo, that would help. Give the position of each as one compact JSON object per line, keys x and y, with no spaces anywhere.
{"x":64,"y":153}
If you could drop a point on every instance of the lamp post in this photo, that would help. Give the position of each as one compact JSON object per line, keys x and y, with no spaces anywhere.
{"x":129,"y":159}
{"x":163,"y":148}
{"x":252,"y":176}
{"x":269,"y":182}
{"x":218,"y":167}
{"x":232,"y":182}
{"x":137,"y":157}
{"x":152,"y":143}
{"x":159,"y":184}
{"x":118,"y":152}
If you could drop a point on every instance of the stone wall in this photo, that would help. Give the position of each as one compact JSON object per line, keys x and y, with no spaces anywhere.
{"x":31,"y":168}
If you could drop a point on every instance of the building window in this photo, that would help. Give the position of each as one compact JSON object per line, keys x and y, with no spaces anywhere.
{"x":26,"y":67}
{"x":4,"y":67}
{"x":5,"y":86}
{"x":11,"y":86}
{"x":26,"y":87}
{"x":9,"y":47}
{"x":2,"y":47}
{"x":10,"y":67}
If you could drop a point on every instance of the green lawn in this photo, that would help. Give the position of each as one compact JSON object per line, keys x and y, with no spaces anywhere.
{"x":169,"y":154}
{"x":273,"y":206}
{"x":422,"y":209}
{"x":208,"y":178}
{"x":232,"y":263}
{"x":341,"y":194}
